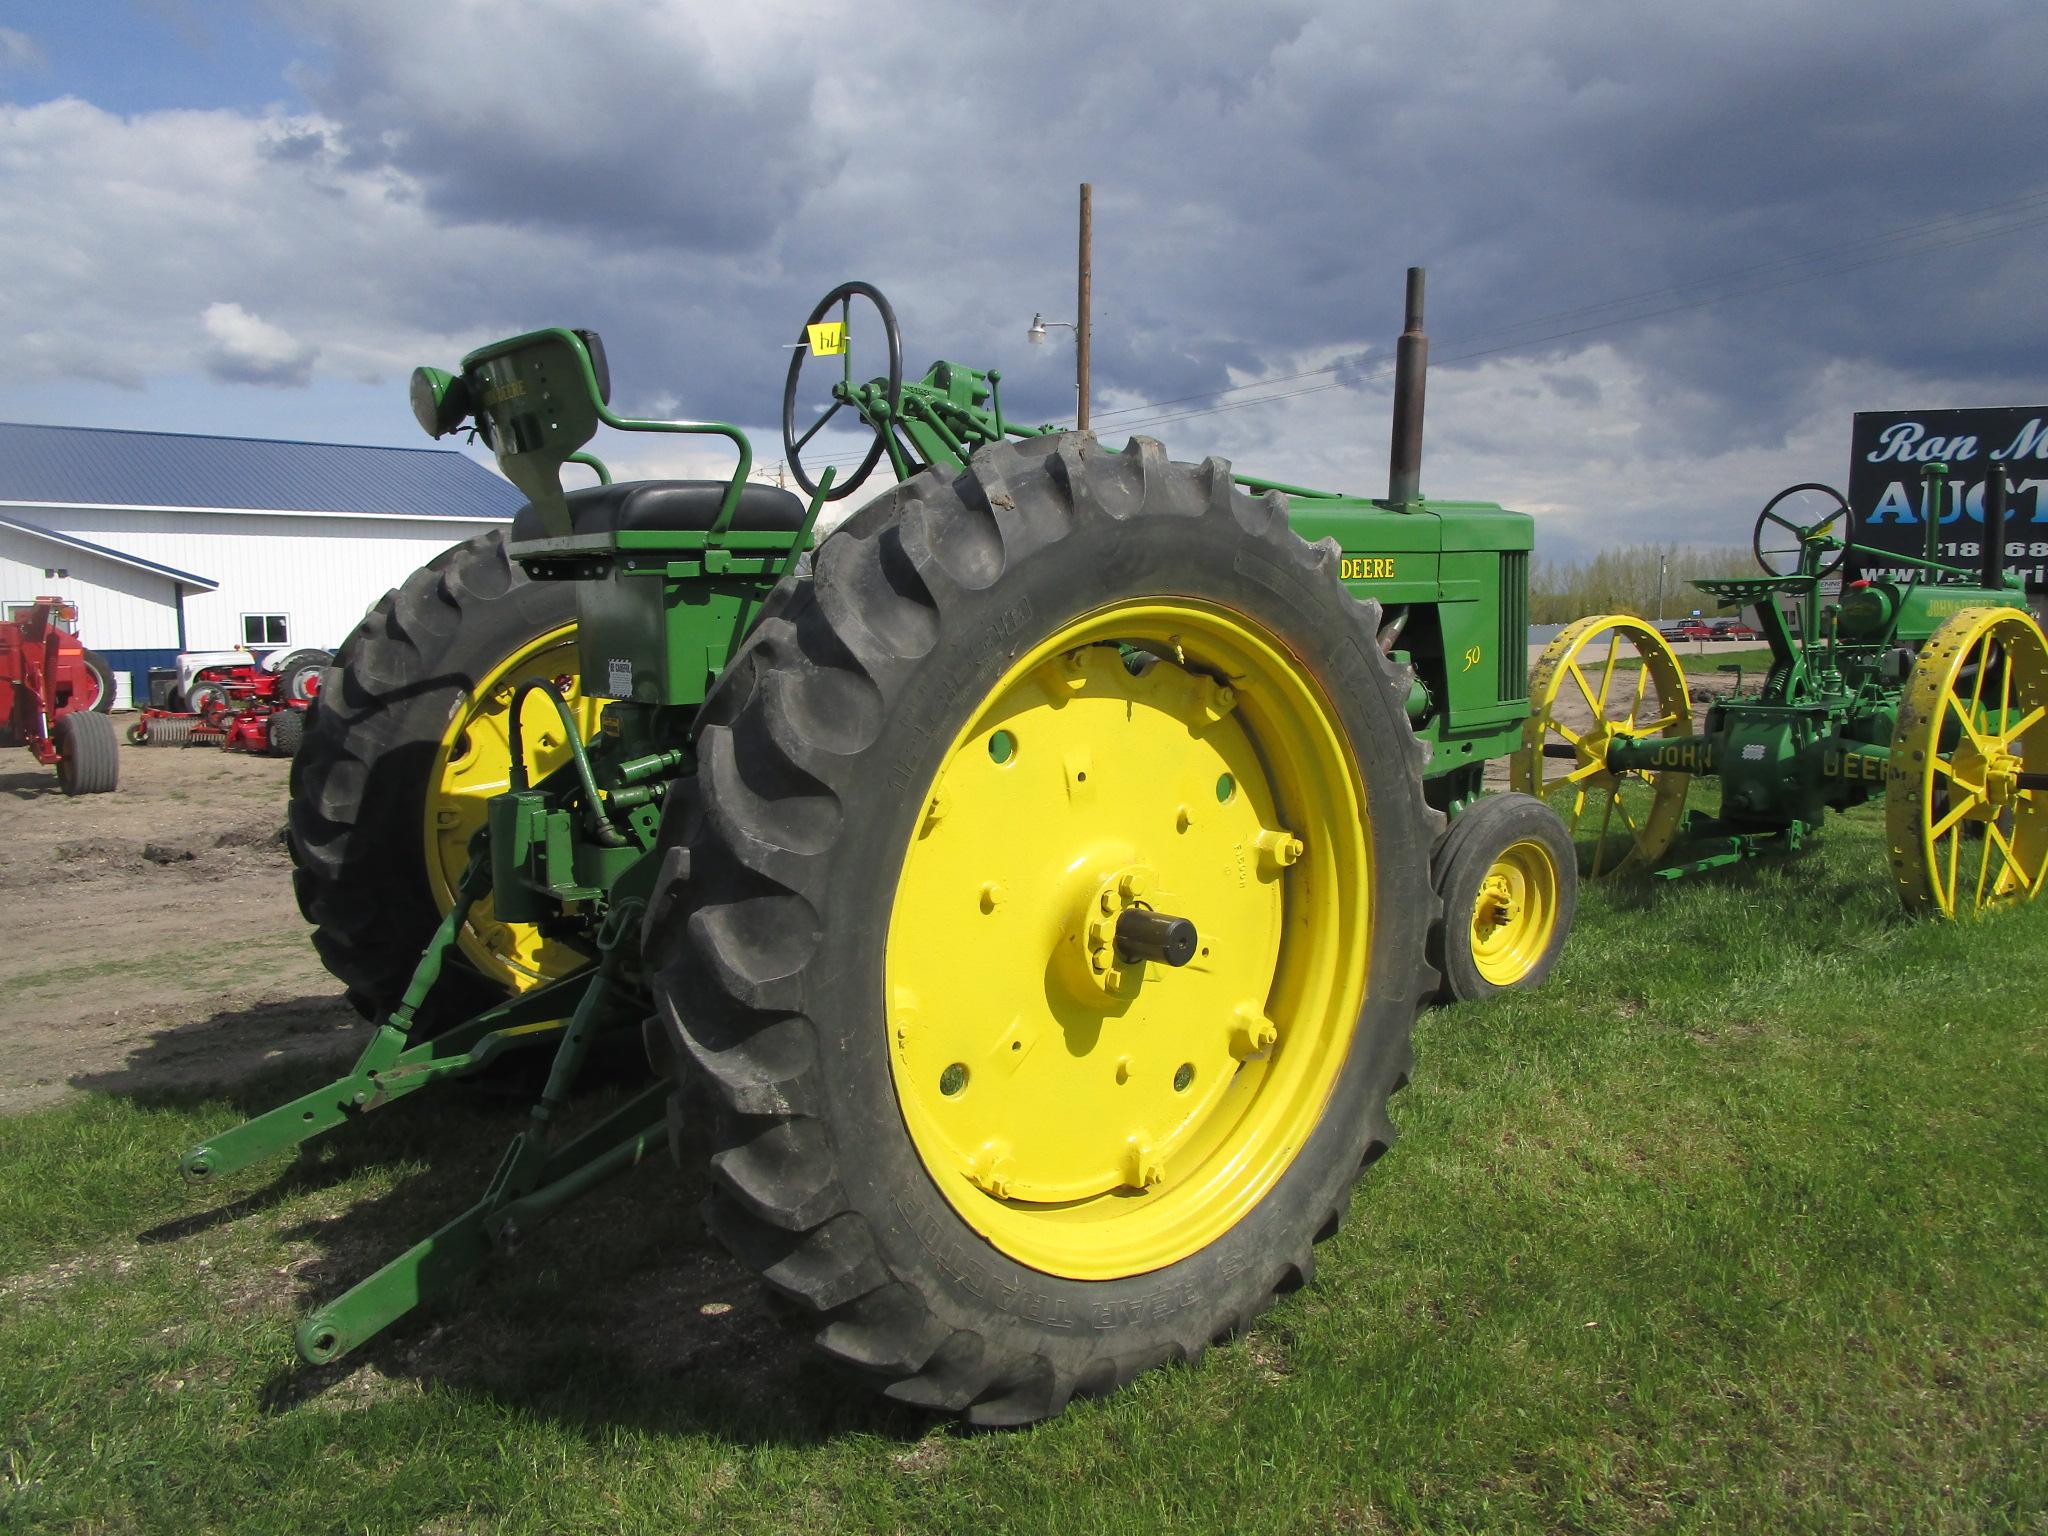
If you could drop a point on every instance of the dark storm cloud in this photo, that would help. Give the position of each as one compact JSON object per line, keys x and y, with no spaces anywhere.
{"x":689,"y":181}
{"x":570,"y":116}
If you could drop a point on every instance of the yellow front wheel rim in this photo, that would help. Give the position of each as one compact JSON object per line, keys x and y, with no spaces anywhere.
{"x":1974,"y":719}
{"x":1514,"y":916}
{"x":1094,"y":1116}
{"x":472,"y":762}
{"x":1585,"y":694}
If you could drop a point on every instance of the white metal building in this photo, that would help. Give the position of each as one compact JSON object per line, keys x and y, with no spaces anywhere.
{"x":169,"y":542}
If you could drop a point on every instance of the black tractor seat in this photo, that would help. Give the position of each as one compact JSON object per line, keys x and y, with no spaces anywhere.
{"x":635,"y":506}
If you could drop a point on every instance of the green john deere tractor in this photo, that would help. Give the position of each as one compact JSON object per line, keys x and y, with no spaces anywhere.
{"x":1029,"y":891}
{"x":1925,"y":683}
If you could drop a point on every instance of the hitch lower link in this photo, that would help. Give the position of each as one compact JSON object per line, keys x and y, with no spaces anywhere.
{"x":534,"y":1178}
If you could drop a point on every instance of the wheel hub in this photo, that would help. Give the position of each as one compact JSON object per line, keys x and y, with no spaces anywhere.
{"x":1108,"y":974}
{"x":1987,"y":779}
{"x":1514,"y":913}
{"x":1496,"y":905}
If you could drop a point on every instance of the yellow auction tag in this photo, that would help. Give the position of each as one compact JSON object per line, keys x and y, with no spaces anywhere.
{"x":828,"y":338}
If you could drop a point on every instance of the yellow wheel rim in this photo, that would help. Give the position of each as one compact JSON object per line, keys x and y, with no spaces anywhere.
{"x":1089,"y":1115}
{"x":1963,"y":834}
{"x":1586,"y":693}
{"x":472,"y":762}
{"x":1515,"y":913}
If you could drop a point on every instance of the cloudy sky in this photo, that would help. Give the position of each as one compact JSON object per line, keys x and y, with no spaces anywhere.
{"x":1671,"y":248}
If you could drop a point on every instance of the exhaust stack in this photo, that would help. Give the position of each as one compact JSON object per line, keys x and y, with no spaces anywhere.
{"x":1411,"y":370}
{"x":1996,"y":492}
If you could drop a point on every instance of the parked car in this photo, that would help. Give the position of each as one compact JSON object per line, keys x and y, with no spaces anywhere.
{"x":1734,"y":629}
{"x":1688,"y":629}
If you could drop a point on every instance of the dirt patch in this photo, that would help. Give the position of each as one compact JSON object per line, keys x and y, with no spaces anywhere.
{"x":152,"y":942}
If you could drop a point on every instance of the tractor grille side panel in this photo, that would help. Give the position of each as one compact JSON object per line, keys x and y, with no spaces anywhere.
{"x":1514,"y":625}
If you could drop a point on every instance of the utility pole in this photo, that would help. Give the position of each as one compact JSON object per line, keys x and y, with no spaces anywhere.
{"x":1660,"y":588}
{"x":1081,"y":323}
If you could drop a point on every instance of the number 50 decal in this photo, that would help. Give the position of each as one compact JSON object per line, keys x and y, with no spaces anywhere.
{"x":1472,"y":654}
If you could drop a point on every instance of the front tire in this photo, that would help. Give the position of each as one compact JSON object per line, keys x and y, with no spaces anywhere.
{"x":1109,"y":630}
{"x":1508,"y":880}
{"x":207,"y":699}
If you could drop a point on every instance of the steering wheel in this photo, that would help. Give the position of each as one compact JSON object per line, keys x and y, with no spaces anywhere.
{"x":793,"y":444}
{"x":1796,"y":516}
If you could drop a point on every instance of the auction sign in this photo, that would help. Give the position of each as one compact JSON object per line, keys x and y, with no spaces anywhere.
{"x":1889,"y":453}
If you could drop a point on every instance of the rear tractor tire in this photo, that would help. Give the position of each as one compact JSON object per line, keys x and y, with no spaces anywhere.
{"x":1966,"y":833}
{"x":406,"y":744}
{"x":298,"y":676}
{"x":88,"y":753}
{"x":1001,"y":1146}
{"x":1507,"y":877}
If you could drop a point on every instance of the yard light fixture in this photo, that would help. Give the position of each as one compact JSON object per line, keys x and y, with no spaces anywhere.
{"x":1039,"y":326}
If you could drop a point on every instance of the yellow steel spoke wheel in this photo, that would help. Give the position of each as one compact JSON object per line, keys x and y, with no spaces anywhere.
{"x":1053,"y":924}
{"x":1602,"y":679}
{"x":1507,"y":878}
{"x":472,"y":762}
{"x":1966,"y":823}
{"x":403,"y":744}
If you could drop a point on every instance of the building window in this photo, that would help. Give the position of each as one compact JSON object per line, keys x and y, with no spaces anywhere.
{"x":265,"y":629}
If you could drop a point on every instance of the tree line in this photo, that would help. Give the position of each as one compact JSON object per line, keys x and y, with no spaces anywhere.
{"x":1625,"y":580}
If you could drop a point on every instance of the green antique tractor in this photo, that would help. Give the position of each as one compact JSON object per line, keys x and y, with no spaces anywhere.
{"x":1028,"y":892}
{"x":1925,"y":683}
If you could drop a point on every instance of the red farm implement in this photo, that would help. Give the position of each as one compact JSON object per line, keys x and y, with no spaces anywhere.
{"x":54,"y":695}
{"x":238,"y":704}
{"x":256,"y":725}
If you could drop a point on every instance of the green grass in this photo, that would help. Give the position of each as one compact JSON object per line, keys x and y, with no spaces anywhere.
{"x":1737,"y":1224}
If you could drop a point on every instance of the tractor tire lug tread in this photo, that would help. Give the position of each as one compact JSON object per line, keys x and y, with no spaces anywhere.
{"x":746,"y":961}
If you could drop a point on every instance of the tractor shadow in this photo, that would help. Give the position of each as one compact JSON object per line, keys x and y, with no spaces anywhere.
{"x":248,"y":1058}
{"x":618,"y":1311}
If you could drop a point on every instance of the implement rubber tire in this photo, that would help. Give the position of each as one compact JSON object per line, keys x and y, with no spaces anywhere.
{"x":88,"y":753}
{"x":769,"y":925}
{"x":359,"y":778}
{"x":103,"y":679}
{"x":287,"y":732}
{"x":1481,"y":837}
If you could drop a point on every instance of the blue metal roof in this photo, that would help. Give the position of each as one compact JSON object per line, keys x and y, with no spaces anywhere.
{"x":72,"y":541}
{"x":99,"y":466}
